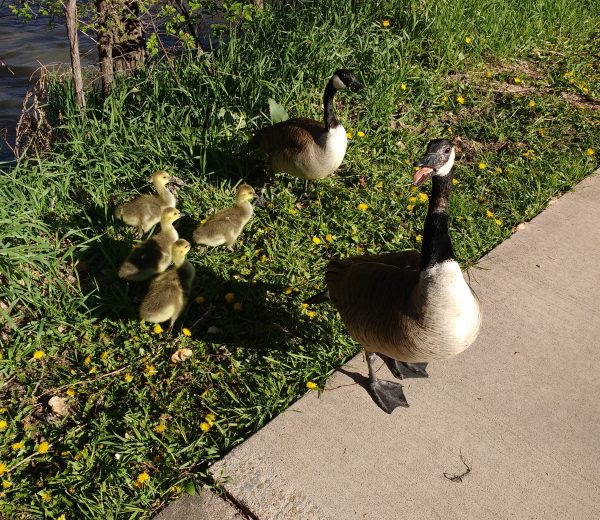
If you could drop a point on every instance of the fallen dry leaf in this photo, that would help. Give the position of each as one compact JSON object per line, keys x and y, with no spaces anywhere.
{"x":58,"y":405}
{"x":181,"y":354}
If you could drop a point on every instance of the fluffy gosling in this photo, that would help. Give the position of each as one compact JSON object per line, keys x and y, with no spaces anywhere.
{"x":169,"y":292}
{"x":153,"y":255}
{"x":223,"y":227}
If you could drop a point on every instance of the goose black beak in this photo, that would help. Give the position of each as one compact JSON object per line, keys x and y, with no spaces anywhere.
{"x":356,"y":85}
{"x":426,"y":169}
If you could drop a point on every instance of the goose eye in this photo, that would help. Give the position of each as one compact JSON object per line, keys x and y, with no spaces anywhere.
{"x":447,"y":150}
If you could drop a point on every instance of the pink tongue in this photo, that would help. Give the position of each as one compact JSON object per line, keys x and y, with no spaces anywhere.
{"x":420,"y":176}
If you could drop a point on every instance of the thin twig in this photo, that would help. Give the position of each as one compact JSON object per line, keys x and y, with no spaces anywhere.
{"x":459,"y":478}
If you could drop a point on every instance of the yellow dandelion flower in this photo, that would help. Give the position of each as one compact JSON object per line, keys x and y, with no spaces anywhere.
{"x":590,"y":152}
{"x":568,"y":74}
{"x":150,"y":370}
{"x":413,"y":189}
{"x":3,"y":409}
{"x":87,"y":360}
{"x":482,"y":166}
{"x":488,"y":74}
{"x":186,"y":332}
{"x":205,"y":426}
{"x":62,"y":517}
{"x":316,"y":240}
{"x":237,"y":306}
{"x":288,"y":290}
{"x":349,"y":135}
{"x":210,"y":418}
{"x":444,"y":99}
{"x":78,"y":455}
{"x":304,"y":305}
{"x":517,"y":80}
{"x":157,"y":329}
{"x":450,"y":131}
{"x":585,"y":90}
{"x":6,"y":484}
{"x":128,"y":378}
{"x":46,"y":496}
{"x":93,"y":370}
{"x":460,"y":100}
{"x":362,"y":206}
{"x":329,"y":237}
{"x":200,"y":300}
{"x":142,"y":478}
{"x":423,"y":197}
{"x":294,"y":211}
{"x":203,"y":221}
{"x":43,"y":447}
{"x":412,"y":200}
{"x":263,"y":258}
{"x":160,"y":428}
{"x":489,"y":213}
{"x":468,"y":40}
{"x":385,"y":23}
{"x":379,"y":184}
{"x":16,"y":446}
{"x":311,"y":385}
{"x":230,"y":297}
{"x":38,"y":354}
{"x":531,"y":104}
{"x":104,"y":356}
{"x":311,"y":314}
{"x":403,"y":86}
{"x":498,"y":170}
{"x":70,"y":392}
{"x":419,"y":238}
{"x":360,"y":133}
{"x":498,"y":222}
{"x":3,"y":468}
{"x":456,"y":182}
{"x":3,"y":425}
{"x":410,"y":207}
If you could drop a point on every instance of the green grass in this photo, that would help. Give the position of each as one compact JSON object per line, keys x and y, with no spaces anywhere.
{"x":60,"y":246}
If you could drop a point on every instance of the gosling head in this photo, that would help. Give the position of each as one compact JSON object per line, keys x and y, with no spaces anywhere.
{"x":437,"y":161}
{"x":179,"y":250}
{"x":343,"y":78}
{"x":160,"y":177}
{"x":244,"y":192}
{"x":169,"y":215}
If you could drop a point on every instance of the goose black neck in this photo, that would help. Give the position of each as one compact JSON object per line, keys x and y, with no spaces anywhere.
{"x":437,"y":245}
{"x":330,"y":119}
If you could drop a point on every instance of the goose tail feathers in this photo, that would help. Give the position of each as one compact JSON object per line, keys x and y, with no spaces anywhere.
{"x":318,"y":298}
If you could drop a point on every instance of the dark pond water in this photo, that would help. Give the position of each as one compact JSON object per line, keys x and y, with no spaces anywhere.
{"x":23,"y":47}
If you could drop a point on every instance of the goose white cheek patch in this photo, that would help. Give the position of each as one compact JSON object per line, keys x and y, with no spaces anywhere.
{"x":338,"y":83}
{"x":421,"y":175}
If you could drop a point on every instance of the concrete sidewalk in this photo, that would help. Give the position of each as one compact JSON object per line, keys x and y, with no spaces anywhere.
{"x":520,"y":406}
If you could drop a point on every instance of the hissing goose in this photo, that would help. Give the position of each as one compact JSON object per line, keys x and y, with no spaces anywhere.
{"x":153,"y":255}
{"x":145,"y":211}
{"x":306,"y":148}
{"x":226,"y":225}
{"x":407,"y":306}
{"x":169,"y":292}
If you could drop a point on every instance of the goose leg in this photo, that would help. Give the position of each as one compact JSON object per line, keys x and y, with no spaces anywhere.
{"x":386,"y":394}
{"x":399,"y":369}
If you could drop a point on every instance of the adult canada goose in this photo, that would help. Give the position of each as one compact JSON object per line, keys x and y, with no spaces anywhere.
{"x":169,"y":292}
{"x":144,"y":212}
{"x":225,"y":226}
{"x":409,"y":307}
{"x":153,"y":255}
{"x":306,"y":148}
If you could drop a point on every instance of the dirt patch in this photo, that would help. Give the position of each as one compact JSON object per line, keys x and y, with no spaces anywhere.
{"x":581,"y":100}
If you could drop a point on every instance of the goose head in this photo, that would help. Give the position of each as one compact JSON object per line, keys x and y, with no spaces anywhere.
{"x":169,"y":215}
{"x":160,"y":178}
{"x":179,"y":250}
{"x":343,"y":78}
{"x":244,"y":193}
{"x":437,"y":161}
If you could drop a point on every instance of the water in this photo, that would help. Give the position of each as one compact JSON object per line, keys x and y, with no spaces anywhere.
{"x":23,"y":47}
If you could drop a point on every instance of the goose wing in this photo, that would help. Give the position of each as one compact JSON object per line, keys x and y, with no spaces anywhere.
{"x":372,"y":294}
{"x":290,"y":134}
